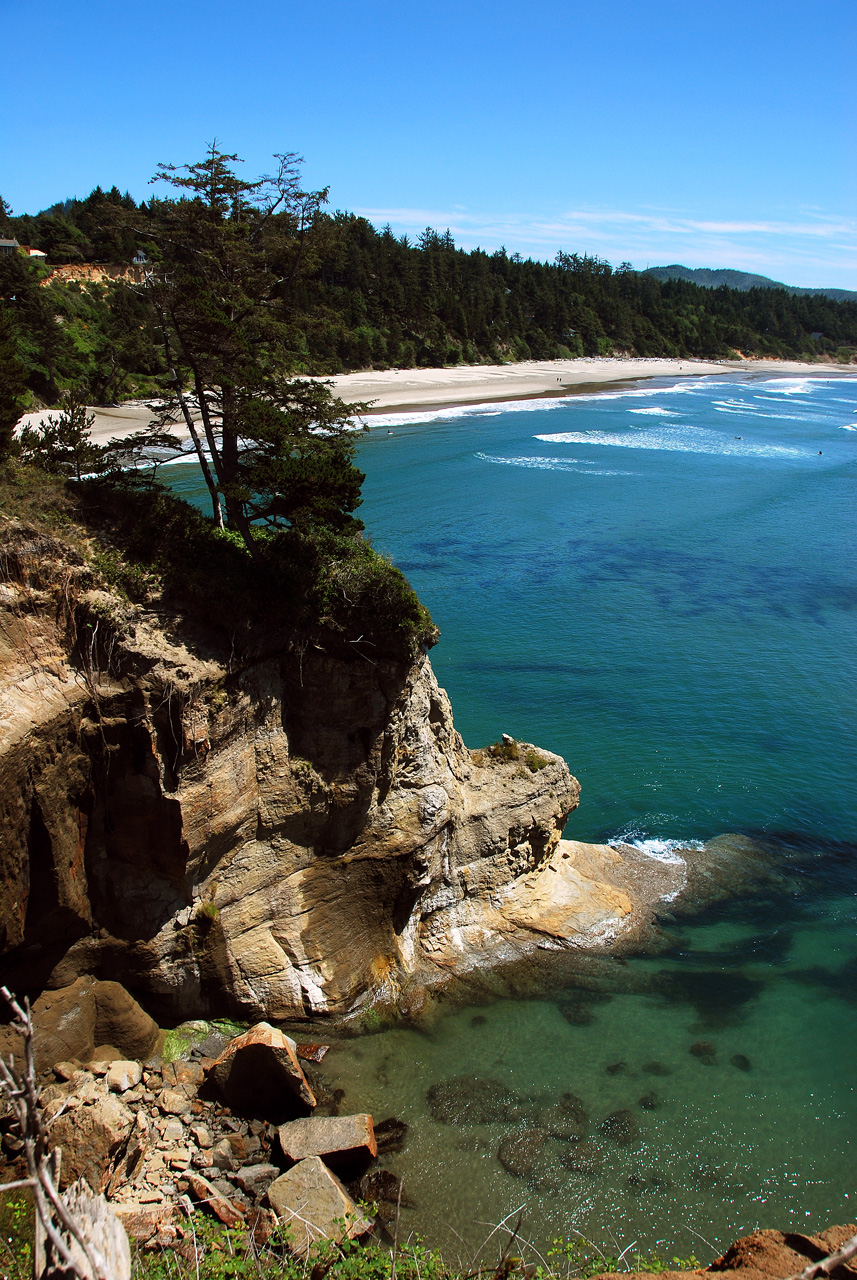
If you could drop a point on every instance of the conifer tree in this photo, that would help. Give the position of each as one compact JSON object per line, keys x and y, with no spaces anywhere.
{"x":227,"y":258}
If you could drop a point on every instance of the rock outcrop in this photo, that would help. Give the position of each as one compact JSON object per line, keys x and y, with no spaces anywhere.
{"x":287,"y":831}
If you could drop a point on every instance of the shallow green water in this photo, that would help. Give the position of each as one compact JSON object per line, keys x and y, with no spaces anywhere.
{"x":659,"y":584}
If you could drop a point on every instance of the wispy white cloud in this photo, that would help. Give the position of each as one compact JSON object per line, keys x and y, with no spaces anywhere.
{"x":811,"y":248}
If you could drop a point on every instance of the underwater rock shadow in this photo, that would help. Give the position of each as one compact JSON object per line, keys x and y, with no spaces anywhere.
{"x":839,"y":983}
{"x":719,"y":999}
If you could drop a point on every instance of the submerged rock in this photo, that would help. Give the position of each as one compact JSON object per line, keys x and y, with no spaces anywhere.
{"x":583,"y":1158}
{"x":650,"y":1101}
{"x":741,"y":1062}
{"x":382,"y":1185}
{"x":616,"y":1068}
{"x":390,"y":1135}
{"x":703,"y":1049}
{"x":468,"y":1100}
{"x":577,"y":1012}
{"x":620,"y":1127}
{"x":566,"y":1119}
{"x":520,"y":1150}
{"x":656,"y":1069}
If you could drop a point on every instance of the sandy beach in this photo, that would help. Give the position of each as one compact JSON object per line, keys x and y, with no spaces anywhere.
{"x":389,"y":390}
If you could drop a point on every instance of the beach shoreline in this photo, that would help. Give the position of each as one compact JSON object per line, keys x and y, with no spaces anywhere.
{"x":407,"y":390}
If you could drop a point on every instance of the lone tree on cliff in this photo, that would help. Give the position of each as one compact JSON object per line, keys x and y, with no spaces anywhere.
{"x":226,"y":258}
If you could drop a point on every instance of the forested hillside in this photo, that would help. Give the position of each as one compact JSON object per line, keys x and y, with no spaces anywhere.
{"x":360,"y":298}
{"x":714,"y":277}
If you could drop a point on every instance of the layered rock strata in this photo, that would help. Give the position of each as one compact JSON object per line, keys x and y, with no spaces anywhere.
{"x":283,"y":829}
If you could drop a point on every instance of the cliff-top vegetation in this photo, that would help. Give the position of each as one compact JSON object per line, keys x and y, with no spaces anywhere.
{"x":276,"y":451}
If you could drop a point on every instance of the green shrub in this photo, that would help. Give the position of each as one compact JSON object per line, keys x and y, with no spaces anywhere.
{"x":300,"y":579}
{"x":534,"y":761}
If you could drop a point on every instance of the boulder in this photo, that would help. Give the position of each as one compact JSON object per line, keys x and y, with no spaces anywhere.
{"x":63,"y":1026}
{"x":259,"y":1072}
{"x":145,"y":1222}
{"x":187,"y":1076}
{"x":312,"y":1052}
{"x":313,"y":1204}
{"x":70,"y":1022}
{"x":339,"y":1140}
{"x":174,"y":1102}
{"x":120,"y":1021}
{"x":89,"y":1138}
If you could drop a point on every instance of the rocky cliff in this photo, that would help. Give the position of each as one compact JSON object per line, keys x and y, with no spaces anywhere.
{"x":288,"y":831}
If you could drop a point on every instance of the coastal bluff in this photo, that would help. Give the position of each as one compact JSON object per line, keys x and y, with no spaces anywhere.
{"x":288,"y":829}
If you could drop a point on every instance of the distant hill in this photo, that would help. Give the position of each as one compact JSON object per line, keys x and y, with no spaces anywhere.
{"x":743,"y":280}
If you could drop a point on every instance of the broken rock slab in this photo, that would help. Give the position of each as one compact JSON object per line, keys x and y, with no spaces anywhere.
{"x":313,"y":1205}
{"x":259,"y":1073}
{"x":206,"y":1194}
{"x":337,"y":1139}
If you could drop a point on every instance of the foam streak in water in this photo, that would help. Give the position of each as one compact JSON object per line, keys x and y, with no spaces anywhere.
{"x":552,"y":464}
{"x":675,"y":440}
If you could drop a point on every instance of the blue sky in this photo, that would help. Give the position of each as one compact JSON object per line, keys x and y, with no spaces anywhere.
{"x":650,"y":131}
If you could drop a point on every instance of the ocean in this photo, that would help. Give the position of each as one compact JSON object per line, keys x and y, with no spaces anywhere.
{"x":657,"y":582}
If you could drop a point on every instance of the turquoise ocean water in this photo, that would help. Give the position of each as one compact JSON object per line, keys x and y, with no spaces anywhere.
{"x":659,"y":583}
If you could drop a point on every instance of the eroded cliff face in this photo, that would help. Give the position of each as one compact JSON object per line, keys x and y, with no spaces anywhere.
{"x":290,"y":831}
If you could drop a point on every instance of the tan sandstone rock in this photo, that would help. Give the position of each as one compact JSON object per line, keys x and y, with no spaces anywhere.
{"x":313,"y":1204}
{"x":123,"y":1075}
{"x":89,"y":1138}
{"x":285,"y":829}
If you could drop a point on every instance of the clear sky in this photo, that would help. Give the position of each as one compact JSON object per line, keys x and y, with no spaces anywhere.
{"x":719,"y":134}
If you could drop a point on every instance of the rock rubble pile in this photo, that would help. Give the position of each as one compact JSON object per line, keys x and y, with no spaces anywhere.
{"x":243,"y":1129}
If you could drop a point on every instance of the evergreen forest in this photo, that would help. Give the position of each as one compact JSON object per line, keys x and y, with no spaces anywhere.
{"x":360,"y":298}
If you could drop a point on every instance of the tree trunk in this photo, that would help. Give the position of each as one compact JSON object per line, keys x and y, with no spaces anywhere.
{"x":216,"y":510}
{"x":235,"y":512}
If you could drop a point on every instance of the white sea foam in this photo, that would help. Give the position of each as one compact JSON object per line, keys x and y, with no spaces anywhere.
{"x":848,"y":426}
{"x":743,"y":409}
{"x":416,"y":417}
{"x":675,"y":439}
{"x":552,"y":464}
{"x":660,"y":410}
{"x":659,"y":850}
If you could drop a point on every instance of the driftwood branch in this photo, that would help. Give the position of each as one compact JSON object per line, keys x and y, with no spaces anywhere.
{"x":76,"y":1233}
{"x":830,"y":1263}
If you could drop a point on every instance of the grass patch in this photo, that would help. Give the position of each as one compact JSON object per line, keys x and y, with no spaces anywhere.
{"x":534,"y":761}
{"x":211,"y":1251}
